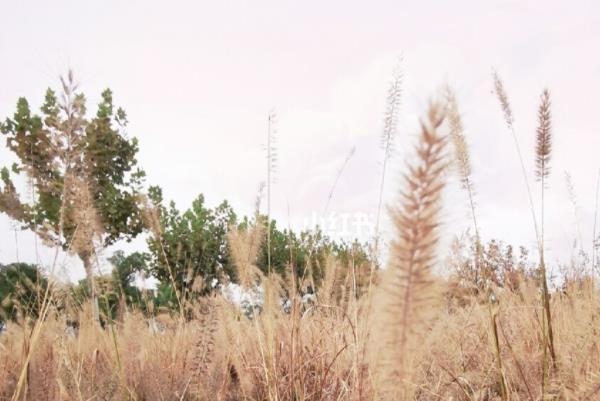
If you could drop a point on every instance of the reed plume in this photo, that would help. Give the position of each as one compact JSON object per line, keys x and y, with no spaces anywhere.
{"x":462,"y":154}
{"x":245,"y":246}
{"x":461,"y":149}
{"x":503,"y":99}
{"x":543,"y":148}
{"x":509,"y":119}
{"x":408,"y":289}
{"x":543,"y":153}
{"x":271,"y":168}
{"x":388,"y":135}
{"x":463,"y":162}
{"x":390,"y":119}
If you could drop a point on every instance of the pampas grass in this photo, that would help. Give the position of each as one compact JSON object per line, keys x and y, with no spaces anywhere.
{"x":463,"y":163}
{"x":408,"y":289}
{"x":388,"y":137}
{"x":543,"y":148}
{"x":271,"y":168}
{"x":245,"y":246}
{"x":461,"y":151}
{"x":543,"y":153}
{"x":509,"y":120}
{"x":410,"y":336}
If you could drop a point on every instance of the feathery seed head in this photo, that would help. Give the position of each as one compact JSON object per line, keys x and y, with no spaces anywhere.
{"x":408,"y":289}
{"x":543,"y":149}
{"x":390,"y":119}
{"x":503,"y":99}
{"x":457,"y":136}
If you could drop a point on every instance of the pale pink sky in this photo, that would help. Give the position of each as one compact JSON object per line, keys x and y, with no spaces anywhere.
{"x":198,"y":79}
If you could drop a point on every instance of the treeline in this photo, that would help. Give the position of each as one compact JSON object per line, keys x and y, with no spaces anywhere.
{"x":191,"y":257}
{"x":193,"y":245}
{"x":86,"y":191}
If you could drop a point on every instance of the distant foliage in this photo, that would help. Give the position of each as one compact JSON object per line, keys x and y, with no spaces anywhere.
{"x":22,"y":287}
{"x":500,"y":265}
{"x":117,"y":291}
{"x":192,"y":245}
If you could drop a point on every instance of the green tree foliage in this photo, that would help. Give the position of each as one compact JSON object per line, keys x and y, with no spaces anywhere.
{"x":117,"y":290}
{"x":22,"y":288}
{"x":306,"y":252}
{"x":164,"y":299}
{"x":125,"y":267}
{"x":83,"y":171}
{"x":192,"y":248}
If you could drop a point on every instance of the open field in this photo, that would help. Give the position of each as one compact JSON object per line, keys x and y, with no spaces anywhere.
{"x":280,"y":200}
{"x":336,"y":328}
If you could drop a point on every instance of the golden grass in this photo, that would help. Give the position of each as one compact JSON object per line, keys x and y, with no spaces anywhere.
{"x":410,"y":336}
{"x":221,"y":356}
{"x":408,"y":292}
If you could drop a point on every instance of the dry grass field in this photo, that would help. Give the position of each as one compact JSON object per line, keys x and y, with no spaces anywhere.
{"x":480,"y":331}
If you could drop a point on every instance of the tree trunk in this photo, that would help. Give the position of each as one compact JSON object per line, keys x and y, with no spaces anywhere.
{"x":86,"y":258}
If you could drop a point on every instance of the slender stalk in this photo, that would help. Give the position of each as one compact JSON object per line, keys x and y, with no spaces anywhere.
{"x":380,"y":200}
{"x":594,"y":245}
{"x":509,"y":119}
{"x":269,"y":196}
{"x":409,"y":293}
{"x":463,"y":158}
{"x":337,"y":178}
{"x":463,"y":162}
{"x":573,"y":199}
{"x":388,"y":136}
{"x":271,"y":160}
{"x":543,"y":154}
{"x":504,"y":393}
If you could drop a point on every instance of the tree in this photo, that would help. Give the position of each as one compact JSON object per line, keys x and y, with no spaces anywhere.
{"x":190,"y":250}
{"x":306,"y":252}
{"x":82,"y":171}
{"x":125,"y":267}
{"x":192,"y":246}
{"x":117,"y":289}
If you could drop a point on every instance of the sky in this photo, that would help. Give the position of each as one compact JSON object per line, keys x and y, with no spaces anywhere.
{"x":199,"y":78}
